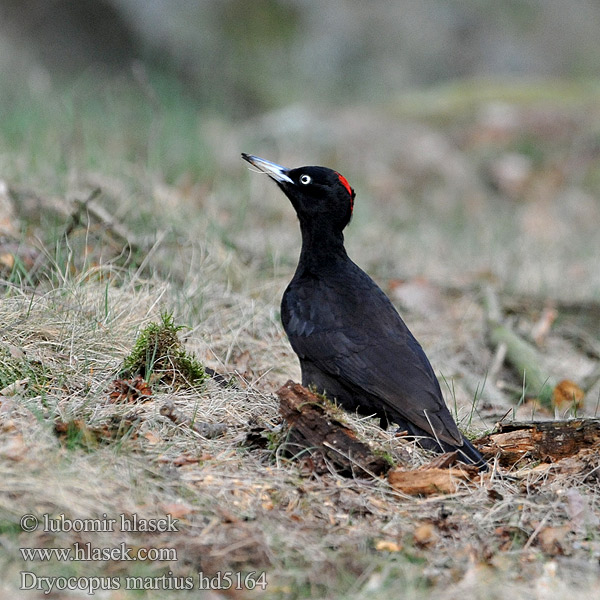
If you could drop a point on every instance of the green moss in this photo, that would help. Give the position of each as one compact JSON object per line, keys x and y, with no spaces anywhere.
{"x":334,"y":409}
{"x":274,"y":440}
{"x":158,"y":355}
{"x":389,"y":459}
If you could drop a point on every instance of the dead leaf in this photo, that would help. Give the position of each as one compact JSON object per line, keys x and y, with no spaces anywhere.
{"x":387,"y":546}
{"x":8,"y":425}
{"x":185,"y":459}
{"x":552,"y":539}
{"x":442,"y":461}
{"x":267,"y":503}
{"x":13,"y":251}
{"x":567,"y":395}
{"x":494,"y":495}
{"x":152,"y":438}
{"x":13,"y":448}
{"x":7,"y":261}
{"x":16,"y":352}
{"x":425,"y":535}
{"x":579,"y":511}
{"x":15,"y":388}
{"x":541,"y":329}
{"x":178,"y":510}
{"x":130,"y":390}
{"x":509,"y":536}
{"x":77,"y":433}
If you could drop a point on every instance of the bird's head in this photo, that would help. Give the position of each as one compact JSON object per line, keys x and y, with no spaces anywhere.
{"x":315,"y":192}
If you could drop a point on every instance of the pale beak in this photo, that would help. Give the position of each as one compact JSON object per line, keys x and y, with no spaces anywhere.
{"x":276,"y":172}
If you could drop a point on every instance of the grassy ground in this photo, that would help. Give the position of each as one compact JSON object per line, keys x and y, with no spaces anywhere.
{"x":500,"y":189}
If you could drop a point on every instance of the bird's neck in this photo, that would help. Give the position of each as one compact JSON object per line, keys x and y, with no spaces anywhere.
{"x":322,"y":246}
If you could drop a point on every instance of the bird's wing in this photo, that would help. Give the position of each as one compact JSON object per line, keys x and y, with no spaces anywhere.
{"x":358,"y":336}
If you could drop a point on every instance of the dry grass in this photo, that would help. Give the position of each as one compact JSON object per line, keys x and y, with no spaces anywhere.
{"x":247,"y":508}
{"x":220,"y":261}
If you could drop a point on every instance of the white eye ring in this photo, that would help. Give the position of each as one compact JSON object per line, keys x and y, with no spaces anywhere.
{"x":305,"y":179}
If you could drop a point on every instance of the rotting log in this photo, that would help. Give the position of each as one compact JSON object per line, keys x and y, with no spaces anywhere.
{"x":540,"y":440}
{"x":313,"y":428}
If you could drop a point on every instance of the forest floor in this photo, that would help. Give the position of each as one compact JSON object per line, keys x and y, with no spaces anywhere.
{"x":477,"y":207}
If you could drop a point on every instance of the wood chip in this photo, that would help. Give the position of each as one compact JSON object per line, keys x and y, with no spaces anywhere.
{"x":430,"y":481}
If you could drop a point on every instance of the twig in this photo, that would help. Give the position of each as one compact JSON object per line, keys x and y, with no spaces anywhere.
{"x":80,"y":206}
{"x":98,"y":213}
{"x":497,"y":361}
{"x":207,"y":430}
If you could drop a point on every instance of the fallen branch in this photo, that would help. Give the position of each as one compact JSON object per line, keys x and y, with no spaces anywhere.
{"x":107,"y":221}
{"x":527,"y":361}
{"x":314,"y":428}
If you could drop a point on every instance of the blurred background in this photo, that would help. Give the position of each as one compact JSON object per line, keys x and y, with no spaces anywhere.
{"x":471,"y":130}
{"x":246,"y":57}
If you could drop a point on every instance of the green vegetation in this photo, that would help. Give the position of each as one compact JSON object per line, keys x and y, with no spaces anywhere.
{"x":159,"y":355}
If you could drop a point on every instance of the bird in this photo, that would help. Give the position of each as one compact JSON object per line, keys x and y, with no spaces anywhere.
{"x":352,"y":343}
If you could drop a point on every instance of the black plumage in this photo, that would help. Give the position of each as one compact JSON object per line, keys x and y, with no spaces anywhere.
{"x":352,"y":343}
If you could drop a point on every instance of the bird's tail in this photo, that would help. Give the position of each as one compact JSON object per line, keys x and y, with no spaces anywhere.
{"x":467,"y":453}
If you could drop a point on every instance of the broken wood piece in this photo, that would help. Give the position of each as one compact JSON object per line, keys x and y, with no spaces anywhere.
{"x":314,"y":429}
{"x":427,"y":481}
{"x":540,"y":440}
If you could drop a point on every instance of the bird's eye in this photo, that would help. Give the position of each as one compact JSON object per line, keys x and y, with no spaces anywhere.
{"x":305,"y":179}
